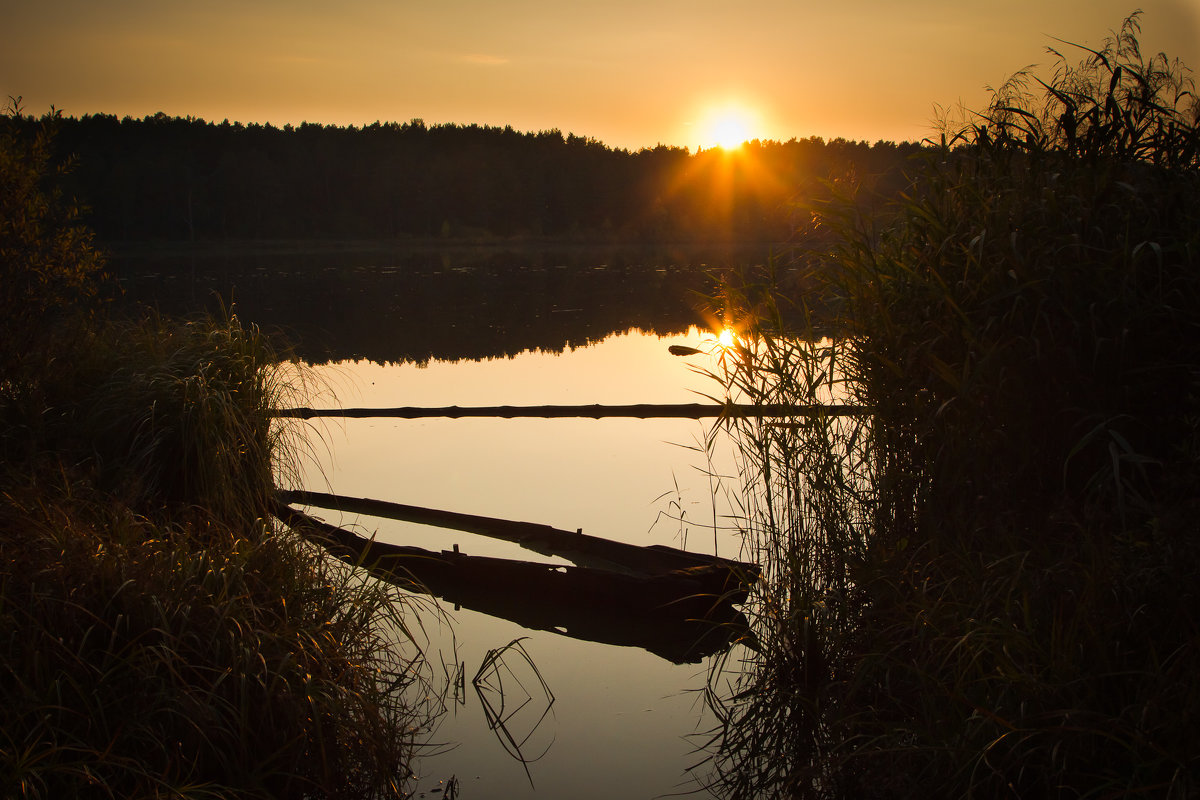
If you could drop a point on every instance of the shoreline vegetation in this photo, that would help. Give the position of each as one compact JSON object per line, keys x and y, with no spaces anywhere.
{"x":163,"y":179}
{"x":988,"y":588}
{"x":162,"y":638}
{"x":463,"y":245}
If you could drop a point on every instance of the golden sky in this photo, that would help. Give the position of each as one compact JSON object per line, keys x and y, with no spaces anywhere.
{"x":631,"y":73}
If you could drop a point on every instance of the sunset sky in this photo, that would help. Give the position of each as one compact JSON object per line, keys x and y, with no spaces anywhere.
{"x":631,"y":73}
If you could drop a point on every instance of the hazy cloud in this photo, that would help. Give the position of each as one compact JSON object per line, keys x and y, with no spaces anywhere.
{"x":483,"y":59}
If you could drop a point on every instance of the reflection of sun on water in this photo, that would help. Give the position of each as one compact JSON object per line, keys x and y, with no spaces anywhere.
{"x":715,"y":340}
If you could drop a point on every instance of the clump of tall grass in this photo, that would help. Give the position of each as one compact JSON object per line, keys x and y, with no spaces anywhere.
{"x":139,"y":664}
{"x":803,"y":508}
{"x":162,"y":637}
{"x":1001,"y":601}
{"x":176,"y":413}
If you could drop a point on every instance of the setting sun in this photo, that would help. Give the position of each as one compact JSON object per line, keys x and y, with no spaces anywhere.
{"x":729,"y":132}
{"x":729,"y":127}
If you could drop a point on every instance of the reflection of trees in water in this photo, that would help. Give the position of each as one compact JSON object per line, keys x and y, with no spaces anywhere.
{"x":391,"y":307}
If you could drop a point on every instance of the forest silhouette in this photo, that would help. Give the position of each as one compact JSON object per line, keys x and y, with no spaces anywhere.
{"x":406,"y":242}
{"x":184,"y":179}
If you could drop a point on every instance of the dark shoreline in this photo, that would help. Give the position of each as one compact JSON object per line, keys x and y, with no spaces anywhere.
{"x":462,"y":246}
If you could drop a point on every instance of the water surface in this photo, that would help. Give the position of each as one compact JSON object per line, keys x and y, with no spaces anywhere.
{"x":622,"y":717}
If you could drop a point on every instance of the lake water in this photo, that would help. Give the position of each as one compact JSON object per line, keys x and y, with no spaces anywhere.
{"x":622,"y":720}
{"x":389,"y":328}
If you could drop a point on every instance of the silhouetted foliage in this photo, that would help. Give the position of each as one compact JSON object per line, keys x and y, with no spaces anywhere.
{"x":165,"y":178}
{"x":48,"y":263}
{"x":986,"y":587}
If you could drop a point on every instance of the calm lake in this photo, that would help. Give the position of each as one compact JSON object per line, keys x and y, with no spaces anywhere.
{"x":580,"y":718}
{"x":621,"y":716}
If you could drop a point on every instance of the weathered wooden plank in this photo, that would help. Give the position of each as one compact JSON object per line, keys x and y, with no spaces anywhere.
{"x":595,"y":411}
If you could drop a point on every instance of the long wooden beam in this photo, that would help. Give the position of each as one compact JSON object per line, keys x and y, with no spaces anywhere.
{"x":575,"y":546}
{"x":594,"y":411}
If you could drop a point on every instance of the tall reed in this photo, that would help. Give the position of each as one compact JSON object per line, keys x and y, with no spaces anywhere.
{"x":985,"y":587}
{"x":162,"y":636}
{"x":803,"y":511}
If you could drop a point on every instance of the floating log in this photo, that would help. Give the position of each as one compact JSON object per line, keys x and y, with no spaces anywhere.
{"x":577,"y":547}
{"x":637,"y":411}
{"x":669,"y":614}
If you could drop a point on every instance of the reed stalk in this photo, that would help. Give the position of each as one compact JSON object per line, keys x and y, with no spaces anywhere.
{"x":984,"y":589}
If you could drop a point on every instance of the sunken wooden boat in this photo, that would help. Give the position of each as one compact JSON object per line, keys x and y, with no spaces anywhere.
{"x":678,"y":605}
{"x":710,"y":575}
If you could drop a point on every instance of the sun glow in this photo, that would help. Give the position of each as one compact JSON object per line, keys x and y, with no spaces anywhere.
{"x":730,"y":132}
{"x":729,"y":127}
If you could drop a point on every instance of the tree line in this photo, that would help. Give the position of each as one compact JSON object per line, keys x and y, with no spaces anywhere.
{"x":185,"y":179}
